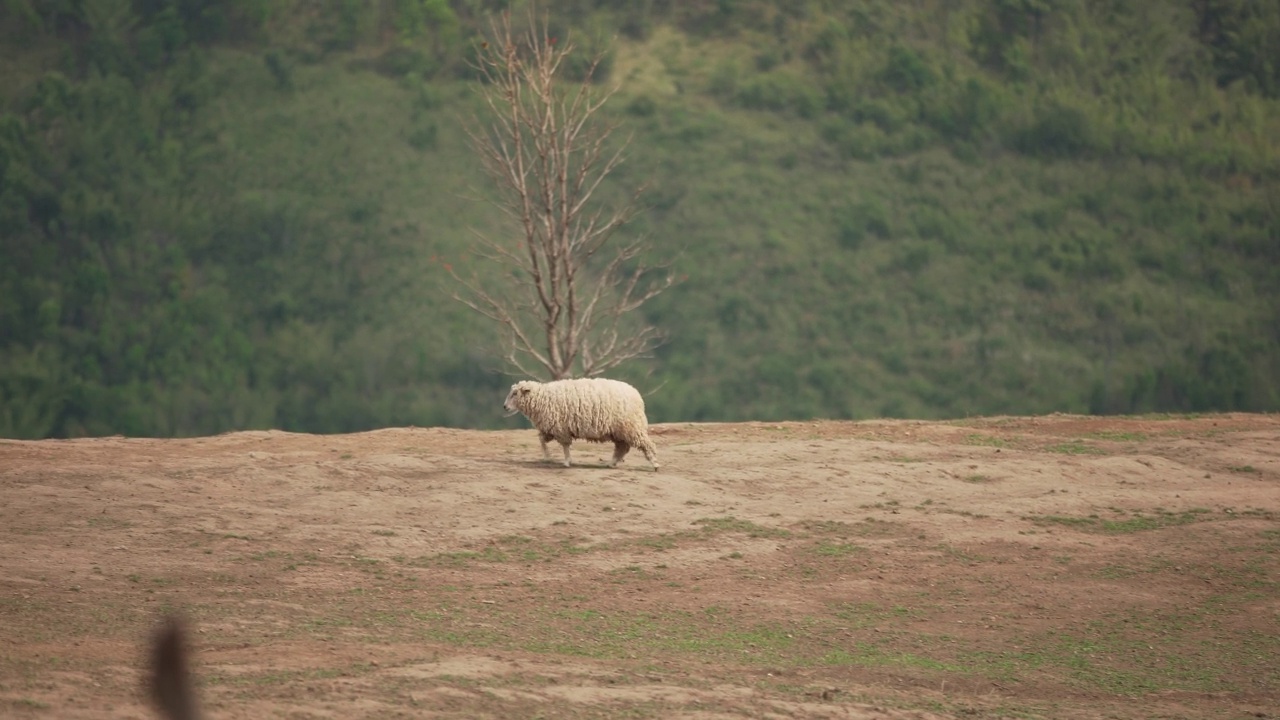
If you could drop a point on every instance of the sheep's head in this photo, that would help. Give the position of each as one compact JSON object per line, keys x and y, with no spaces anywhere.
{"x":515,"y":398}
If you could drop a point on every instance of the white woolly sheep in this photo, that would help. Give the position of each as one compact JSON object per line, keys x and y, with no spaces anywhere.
{"x":593,"y":409}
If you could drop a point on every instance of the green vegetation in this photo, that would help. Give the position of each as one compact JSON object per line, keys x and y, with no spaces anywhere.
{"x":1130,"y":651}
{"x":513,"y":548}
{"x":838,"y":549}
{"x":986,"y":441}
{"x":1119,"y":436}
{"x":729,"y":523}
{"x":1124,"y":525}
{"x":1074,"y":447}
{"x":227,"y":214}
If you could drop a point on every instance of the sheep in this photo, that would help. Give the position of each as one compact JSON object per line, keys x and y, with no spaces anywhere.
{"x":593,"y":409}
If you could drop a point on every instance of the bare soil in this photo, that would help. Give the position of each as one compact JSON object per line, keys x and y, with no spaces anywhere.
{"x":1056,"y":567}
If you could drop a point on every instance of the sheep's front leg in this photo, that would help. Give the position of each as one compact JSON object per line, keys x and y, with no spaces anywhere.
{"x":544,"y":438}
{"x":565,"y":444}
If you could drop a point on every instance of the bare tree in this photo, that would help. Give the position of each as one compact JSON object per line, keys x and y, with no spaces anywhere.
{"x":570,"y":286}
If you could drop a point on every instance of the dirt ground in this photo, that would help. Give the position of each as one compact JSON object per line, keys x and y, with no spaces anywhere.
{"x":1054,"y":567}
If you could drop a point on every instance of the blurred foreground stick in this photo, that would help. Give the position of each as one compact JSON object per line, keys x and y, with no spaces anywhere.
{"x":170,"y":681}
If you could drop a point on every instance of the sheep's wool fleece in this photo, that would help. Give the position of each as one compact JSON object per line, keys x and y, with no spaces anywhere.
{"x":586,"y":408}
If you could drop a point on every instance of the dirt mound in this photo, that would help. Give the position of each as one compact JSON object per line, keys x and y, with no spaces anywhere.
{"x":1062,"y":566}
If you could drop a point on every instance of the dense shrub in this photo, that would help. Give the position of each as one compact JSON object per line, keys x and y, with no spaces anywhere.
{"x":225,"y":214}
{"x":1059,"y":130}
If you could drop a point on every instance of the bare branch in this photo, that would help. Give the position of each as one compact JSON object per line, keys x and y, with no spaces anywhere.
{"x":549,"y":154}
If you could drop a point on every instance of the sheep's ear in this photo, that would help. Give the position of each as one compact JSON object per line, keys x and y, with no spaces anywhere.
{"x":524,"y":391}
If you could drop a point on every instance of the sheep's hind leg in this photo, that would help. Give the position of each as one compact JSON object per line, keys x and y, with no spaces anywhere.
{"x":565,"y":444}
{"x":650,"y":454}
{"x":620,"y":450}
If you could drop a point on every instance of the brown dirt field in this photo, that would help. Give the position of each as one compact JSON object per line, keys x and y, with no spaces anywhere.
{"x":1055,"y":567}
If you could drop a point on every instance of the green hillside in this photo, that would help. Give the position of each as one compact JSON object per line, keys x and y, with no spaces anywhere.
{"x":228,"y":214}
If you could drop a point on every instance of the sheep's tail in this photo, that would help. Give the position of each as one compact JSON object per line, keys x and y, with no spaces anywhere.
{"x":170,"y":682}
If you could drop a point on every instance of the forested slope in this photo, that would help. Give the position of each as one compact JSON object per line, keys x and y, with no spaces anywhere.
{"x":221,"y":214}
